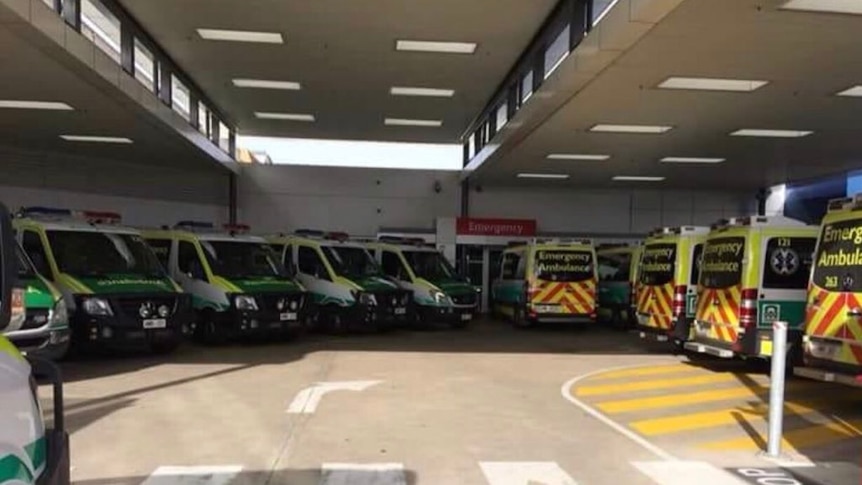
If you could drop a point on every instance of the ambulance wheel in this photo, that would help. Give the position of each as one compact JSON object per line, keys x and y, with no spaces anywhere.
{"x":210,"y":333}
{"x":519,"y":320}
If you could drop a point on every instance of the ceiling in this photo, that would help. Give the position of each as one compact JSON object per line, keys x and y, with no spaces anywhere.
{"x":343,"y":54}
{"x":34,"y":69}
{"x":806,"y":57}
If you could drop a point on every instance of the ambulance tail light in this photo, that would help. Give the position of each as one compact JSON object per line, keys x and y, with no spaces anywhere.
{"x":679,"y":300}
{"x":748,"y":308}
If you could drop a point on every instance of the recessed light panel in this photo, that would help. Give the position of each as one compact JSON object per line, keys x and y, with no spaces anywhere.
{"x":266,"y":84}
{"x":431,"y":92}
{"x":407,"y":122}
{"x":44,"y":105}
{"x":241,"y":36}
{"x":637,"y":178}
{"x":96,"y":139}
{"x":640,"y":129}
{"x":559,"y":176}
{"x":575,"y":156}
{"x":434,"y":46}
{"x":284,"y":116}
{"x":855,"y":91}
{"x":829,"y":6}
{"x":771,"y":133}
{"x":712,"y":84}
{"x":691,"y":160}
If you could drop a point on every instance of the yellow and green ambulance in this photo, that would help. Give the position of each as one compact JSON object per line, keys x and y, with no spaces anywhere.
{"x":618,"y":270}
{"x":43,"y":328}
{"x":666,"y":290}
{"x":238,"y":285}
{"x":547,"y":281}
{"x":30,"y":452}
{"x":755,"y":272}
{"x":440,"y":294}
{"x":117,"y":294}
{"x":348,"y":286}
{"x":832,"y":345}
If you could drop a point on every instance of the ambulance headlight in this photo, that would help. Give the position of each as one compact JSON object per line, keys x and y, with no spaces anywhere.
{"x":97,"y":306}
{"x":164,"y":311}
{"x":245,"y":302}
{"x":294,"y":305}
{"x":60,"y":313}
{"x":365,"y":298}
{"x":440,"y":298}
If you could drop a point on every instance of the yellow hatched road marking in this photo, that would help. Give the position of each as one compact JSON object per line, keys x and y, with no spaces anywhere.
{"x":648,"y":371}
{"x":688,"y":398}
{"x":798,"y":438}
{"x":650,"y":385}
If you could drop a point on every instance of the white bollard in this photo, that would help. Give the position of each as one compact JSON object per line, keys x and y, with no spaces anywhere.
{"x":776,"y":389}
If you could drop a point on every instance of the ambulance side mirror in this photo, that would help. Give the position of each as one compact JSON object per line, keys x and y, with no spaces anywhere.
{"x":8,"y":269}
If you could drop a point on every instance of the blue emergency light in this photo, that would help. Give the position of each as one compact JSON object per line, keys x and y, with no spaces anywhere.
{"x":37,"y":211}
{"x":195,"y":224}
{"x":309,"y":232}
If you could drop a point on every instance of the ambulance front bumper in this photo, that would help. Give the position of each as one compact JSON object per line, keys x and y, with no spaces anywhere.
{"x":125,"y":326}
{"x":276,"y":313}
{"x":447,"y":314}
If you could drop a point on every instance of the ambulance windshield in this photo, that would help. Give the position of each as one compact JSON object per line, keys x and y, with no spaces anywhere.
{"x":242,"y":259}
{"x":564,"y":265}
{"x":103,"y":254}
{"x":430,"y":265}
{"x":658,"y":264}
{"x":721,"y":266}
{"x":838,"y":263}
{"x":351,"y":261}
{"x":25,"y":267}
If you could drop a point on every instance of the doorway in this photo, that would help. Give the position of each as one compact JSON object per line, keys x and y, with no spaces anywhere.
{"x":480,"y":264}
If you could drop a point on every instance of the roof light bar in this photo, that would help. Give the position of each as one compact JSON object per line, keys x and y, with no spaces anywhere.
{"x":194,"y":225}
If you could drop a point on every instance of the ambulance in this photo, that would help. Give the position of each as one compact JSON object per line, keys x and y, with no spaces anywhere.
{"x":239,"y":287}
{"x":346,"y":283}
{"x":440,"y":294}
{"x":667,"y":283}
{"x":618,"y":269}
{"x":117,"y":294}
{"x":30,"y":452}
{"x":754,"y":273}
{"x":43,"y":327}
{"x":547,"y":281}
{"x":832,"y":345}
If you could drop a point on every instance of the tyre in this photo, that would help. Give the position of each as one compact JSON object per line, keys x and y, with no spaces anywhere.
{"x":519,"y":320}
{"x":208,"y":330}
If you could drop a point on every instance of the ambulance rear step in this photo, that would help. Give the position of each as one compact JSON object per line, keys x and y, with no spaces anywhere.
{"x":828,"y":376}
{"x":708,"y":349}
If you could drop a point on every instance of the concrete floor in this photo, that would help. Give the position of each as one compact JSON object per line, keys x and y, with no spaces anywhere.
{"x":488,"y":405}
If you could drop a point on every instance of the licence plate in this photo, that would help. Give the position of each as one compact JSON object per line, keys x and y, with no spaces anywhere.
{"x":287,"y":316}
{"x":400,"y":311}
{"x":825,"y":350}
{"x":466,"y":316}
{"x":155,"y":323}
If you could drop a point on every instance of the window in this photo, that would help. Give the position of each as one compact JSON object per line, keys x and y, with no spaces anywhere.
{"x":521,"y":269}
{"x":180,"y":100}
{"x":837,"y":266}
{"x":101,"y":26}
{"x":615,"y":267}
{"x":223,"y":137}
{"x":557,"y":51}
{"x":788,"y":262}
{"x":50,"y":4}
{"x":36,"y":250}
{"x":502,"y":115}
{"x":696,"y":261}
{"x":564,"y":265}
{"x":471,"y":146}
{"x":392,"y":265}
{"x":511,"y":262}
{"x":658,"y":264}
{"x":527,"y":86}
{"x":722,"y":262}
{"x":162,"y":249}
{"x":204,"y":119}
{"x":311,"y":264}
{"x":188,"y":260}
{"x":145,"y":66}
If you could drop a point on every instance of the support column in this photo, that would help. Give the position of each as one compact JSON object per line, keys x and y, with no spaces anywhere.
{"x":232,"y":199}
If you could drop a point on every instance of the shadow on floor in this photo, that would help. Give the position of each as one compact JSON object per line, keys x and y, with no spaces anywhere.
{"x":277,"y":477}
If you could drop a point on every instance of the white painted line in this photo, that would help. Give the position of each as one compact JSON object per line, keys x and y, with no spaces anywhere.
{"x":686,"y":473}
{"x":363,"y":474}
{"x":306,"y":400}
{"x":525,"y":473}
{"x":566,"y":392}
{"x":193,"y":475}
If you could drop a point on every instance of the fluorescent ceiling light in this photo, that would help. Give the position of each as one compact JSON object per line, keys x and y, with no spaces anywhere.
{"x":404,"y":91}
{"x":574,"y":156}
{"x":855,"y":91}
{"x":284,"y":116}
{"x":712,"y":84}
{"x":264,"y":84}
{"x":691,"y":160}
{"x":433,"y":46}
{"x":241,"y":36}
{"x":542,"y":176}
{"x":637,"y":178}
{"x":406,"y":122}
{"x":649,"y":129}
{"x":96,"y":139}
{"x":830,"y":6}
{"x":46,"y":105}
{"x":771,"y":133}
